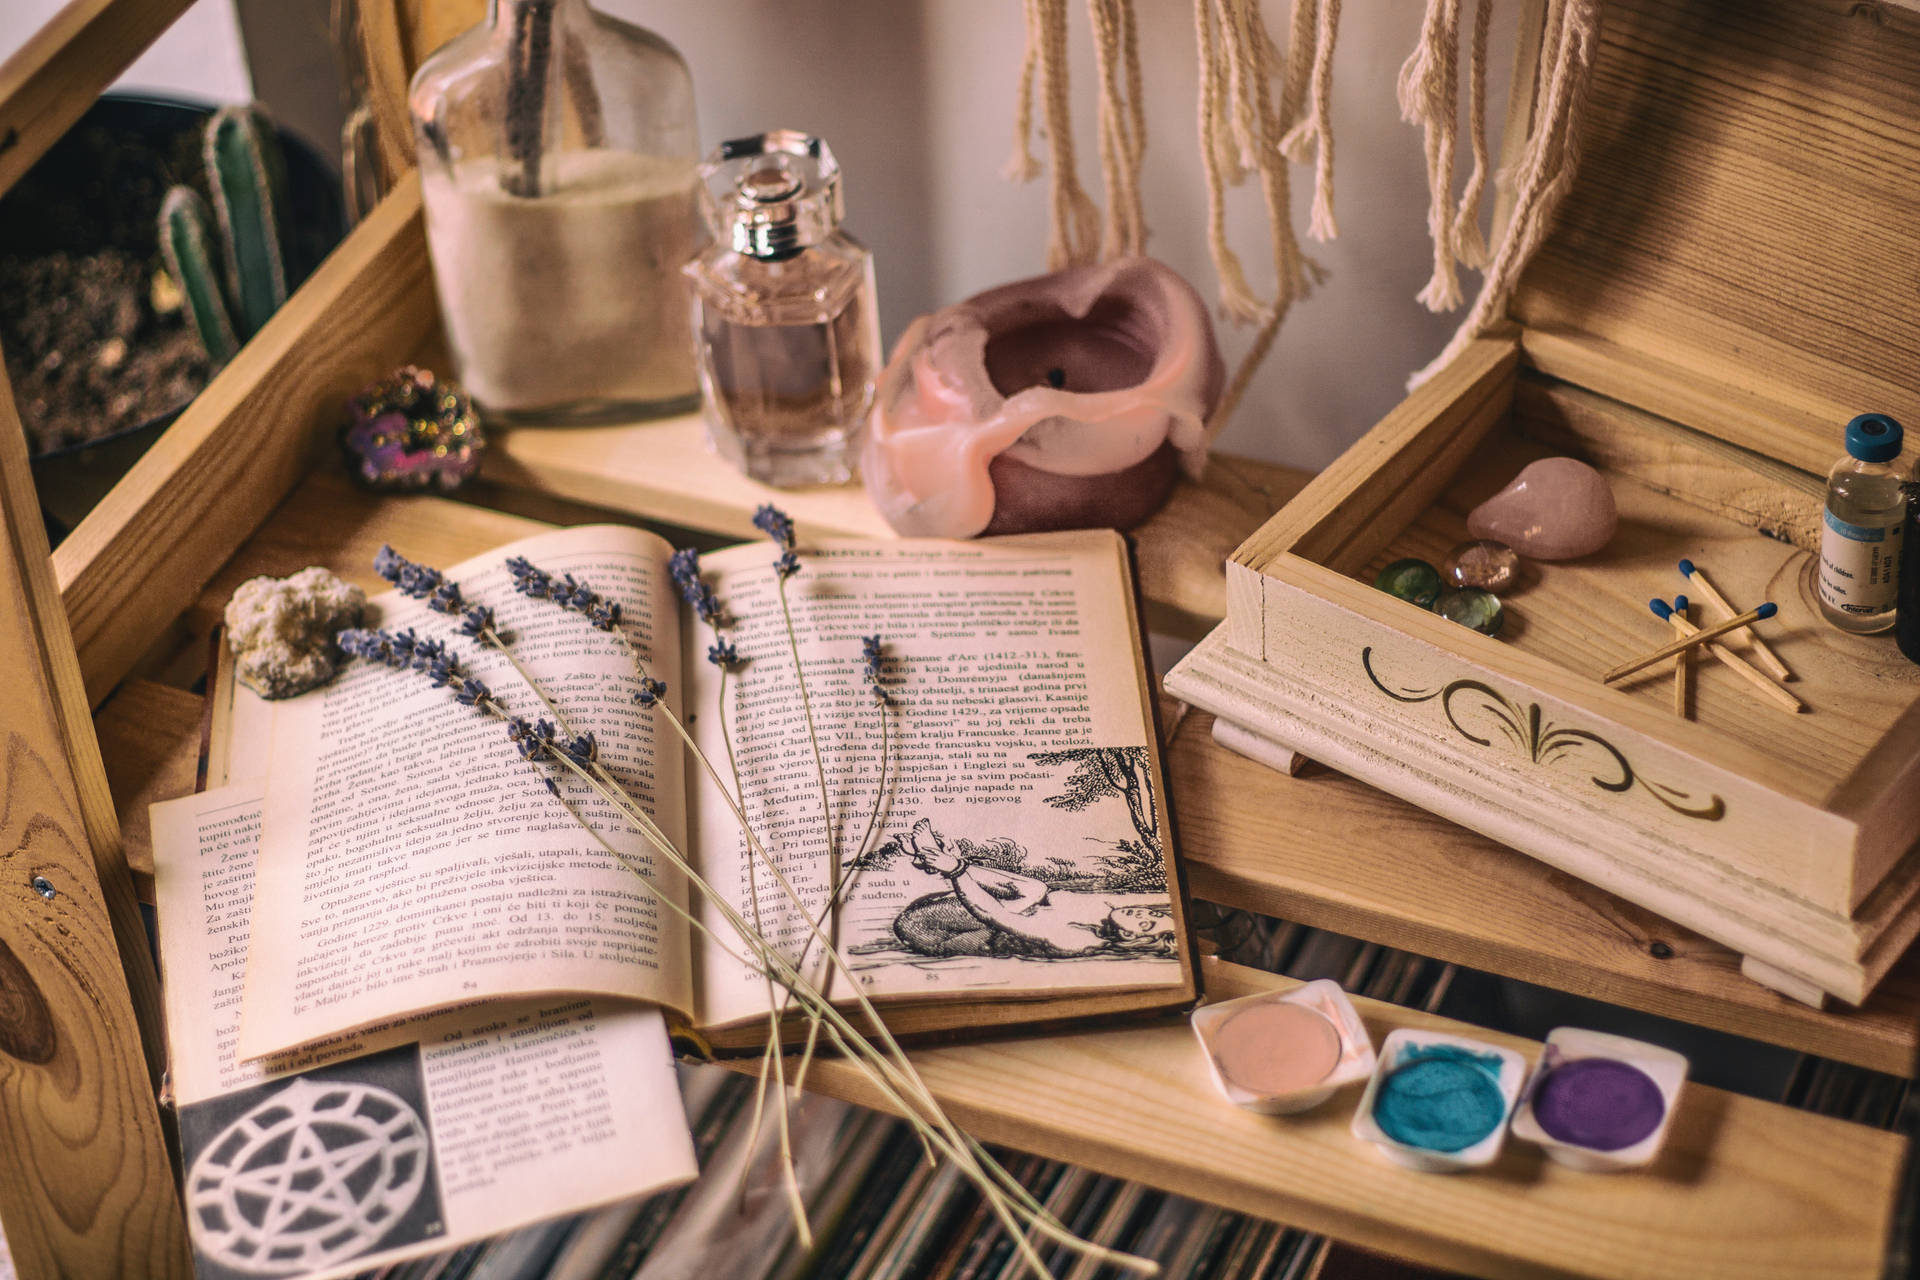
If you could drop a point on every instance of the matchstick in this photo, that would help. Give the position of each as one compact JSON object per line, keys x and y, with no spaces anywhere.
{"x":1682,"y":662}
{"x":1732,"y":661}
{"x":1695,"y":640}
{"x":1763,"y":657}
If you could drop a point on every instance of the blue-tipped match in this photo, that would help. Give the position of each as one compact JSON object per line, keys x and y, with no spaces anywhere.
{"x":1680,"y":605}
{"x":1686,"y":568}
{"x":1661,"y":609}
{"x":1766,"y":610}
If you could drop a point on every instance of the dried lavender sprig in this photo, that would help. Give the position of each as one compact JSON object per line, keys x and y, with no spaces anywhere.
{"x":776,"y":524}
{"x":722,"y":653}
{"x":873,"y":660}
{"x":537,"y":583}
{"x":422,"y":582}
{"x":404,"y":650}
{"x":564,"y":590}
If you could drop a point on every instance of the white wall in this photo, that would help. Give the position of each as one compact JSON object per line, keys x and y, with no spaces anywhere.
{"x":199,"y":55}
{"x":916,"y":97}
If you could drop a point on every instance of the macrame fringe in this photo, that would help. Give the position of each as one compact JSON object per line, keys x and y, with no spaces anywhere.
{"x":1545,"y":168}
{"x":1021,"y":166}
{"x":1246,"y":128}
{"x":1429,"y":91}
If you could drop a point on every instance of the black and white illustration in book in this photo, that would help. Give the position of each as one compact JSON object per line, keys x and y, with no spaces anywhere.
{"x":1089,"y":883}
{"x":307,"y":1172}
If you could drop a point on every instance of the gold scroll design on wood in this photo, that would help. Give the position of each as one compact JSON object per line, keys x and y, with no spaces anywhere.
{"x":1544,"y":742}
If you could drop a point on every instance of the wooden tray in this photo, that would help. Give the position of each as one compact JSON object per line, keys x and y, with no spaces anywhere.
{"x":1685,"y":331}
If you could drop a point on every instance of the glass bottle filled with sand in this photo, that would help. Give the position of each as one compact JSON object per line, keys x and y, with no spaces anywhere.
{"x":558,"y":167}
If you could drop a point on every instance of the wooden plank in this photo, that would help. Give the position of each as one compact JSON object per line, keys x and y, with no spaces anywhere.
{"x":1750,"y":488}
{"x":1330,"y":852}
{"x":1396,"y":468}
{"x":1741,"y":217}
{"x":150,"y":743}
{"x":329,"y":522}
{"x":55,"y":76}
{"x":85,"y":1184}
{"x":1745,"y":1188}
{"x":245,"y":442}
{"x":665,"y":471}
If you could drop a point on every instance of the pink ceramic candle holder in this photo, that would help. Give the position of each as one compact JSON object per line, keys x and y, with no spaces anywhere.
{"x":1071,"y":400}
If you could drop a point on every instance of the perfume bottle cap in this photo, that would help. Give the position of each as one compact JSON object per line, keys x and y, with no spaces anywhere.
{"x":772,"y":194}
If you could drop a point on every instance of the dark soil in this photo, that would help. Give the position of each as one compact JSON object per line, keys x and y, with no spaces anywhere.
{"x":87,"y":354}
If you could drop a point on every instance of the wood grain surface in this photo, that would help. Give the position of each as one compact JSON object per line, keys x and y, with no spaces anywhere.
{"x":1330,"y":852}
{"x":1745,"y":1189}
{"x":86,"y":1187}
{"x":56,"y":75}
{"x":665,"y":471}
{"x":203,"y":489}
{"x":1737,"y":248}
{"x":150,"y":743}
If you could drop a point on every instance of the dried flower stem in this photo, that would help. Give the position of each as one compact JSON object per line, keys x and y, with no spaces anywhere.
{"x":886,"y":1064}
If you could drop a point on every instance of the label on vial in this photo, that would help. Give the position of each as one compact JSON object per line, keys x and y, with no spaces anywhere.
{"x":1859,"y":566}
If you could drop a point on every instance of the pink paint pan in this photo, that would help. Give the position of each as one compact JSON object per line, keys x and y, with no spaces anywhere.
{"x":1281,"y":1052}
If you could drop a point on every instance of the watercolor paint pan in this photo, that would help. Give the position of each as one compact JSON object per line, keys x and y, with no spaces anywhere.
{"x":1282,"y":1052}
{"x":1600,"y":1102}
{"x":1439,"y":1103}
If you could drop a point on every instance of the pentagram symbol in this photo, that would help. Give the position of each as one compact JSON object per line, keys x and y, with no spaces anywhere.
{"x":313,"y":1175}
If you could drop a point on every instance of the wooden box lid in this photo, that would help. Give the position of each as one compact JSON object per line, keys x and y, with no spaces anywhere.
{"x":1740,"y":251}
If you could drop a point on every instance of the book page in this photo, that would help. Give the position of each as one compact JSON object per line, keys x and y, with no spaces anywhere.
{"x":413,"y":860}
{"x":403,"y":1139}
{"x":1018,"y":847}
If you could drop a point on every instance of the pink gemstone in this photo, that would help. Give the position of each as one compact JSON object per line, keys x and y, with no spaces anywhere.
{"x":1555,"y":509}
{"x":1488,"y":565}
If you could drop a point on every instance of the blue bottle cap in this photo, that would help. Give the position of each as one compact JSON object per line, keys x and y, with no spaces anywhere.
{"x":1874,"y":437}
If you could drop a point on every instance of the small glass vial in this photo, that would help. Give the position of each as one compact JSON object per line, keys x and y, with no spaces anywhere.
{"x":784,"y":315}
{"x":1866,"y":511}
{"x":559,"y":167}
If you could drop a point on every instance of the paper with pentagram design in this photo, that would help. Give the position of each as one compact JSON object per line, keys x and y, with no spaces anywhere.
{"x":404,"y":1139}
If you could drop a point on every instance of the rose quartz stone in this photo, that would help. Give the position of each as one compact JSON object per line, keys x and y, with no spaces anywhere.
{"x":1071,"y":400}
{"x":1555,"y":509}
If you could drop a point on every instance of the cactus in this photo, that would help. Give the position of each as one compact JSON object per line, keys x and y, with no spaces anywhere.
{"x":230,"y":301}
{"x":184,"y":244}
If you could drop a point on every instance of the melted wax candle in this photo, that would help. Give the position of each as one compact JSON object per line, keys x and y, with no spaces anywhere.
{"x":1071,"y":400}
{"x":1599,"y":1103}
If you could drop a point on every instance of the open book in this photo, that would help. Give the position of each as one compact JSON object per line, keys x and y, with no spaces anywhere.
{"x":1000,"y":830}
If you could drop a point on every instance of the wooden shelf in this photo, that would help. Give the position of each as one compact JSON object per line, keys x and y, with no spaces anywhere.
{"x":1744,"y":1189}
{"x":649,"y":469}
{"x":1321,"y":849}
{"x":1330,"y":852}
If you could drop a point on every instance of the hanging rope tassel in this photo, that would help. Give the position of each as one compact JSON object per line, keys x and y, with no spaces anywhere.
{"x":1314,"y":132}
{"x":1121,"y":154}
{"x":1237,"y":299}
{"x":1429,"y":89}
{"x":1021,"y":166}
{"x":1469,"y":246}
{"x":1074,"y":238}
{"x":1546,"y":166}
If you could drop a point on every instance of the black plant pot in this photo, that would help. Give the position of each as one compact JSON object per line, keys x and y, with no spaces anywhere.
{"x":100,"y":187}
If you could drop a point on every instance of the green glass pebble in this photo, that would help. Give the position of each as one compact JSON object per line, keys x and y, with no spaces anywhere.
{"x":1414,"y":581}
{"x":1472,"y":607}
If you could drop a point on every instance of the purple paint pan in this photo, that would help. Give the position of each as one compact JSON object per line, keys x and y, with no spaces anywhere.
{"x":1600,"y":1102}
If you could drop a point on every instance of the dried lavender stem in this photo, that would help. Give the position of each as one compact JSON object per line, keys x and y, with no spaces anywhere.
{"x":891,"y":1078}
{"x":820,"y":772}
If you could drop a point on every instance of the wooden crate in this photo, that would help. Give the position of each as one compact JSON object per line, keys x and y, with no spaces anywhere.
{"x":1730,"y":279}
{"x":245,"y":483}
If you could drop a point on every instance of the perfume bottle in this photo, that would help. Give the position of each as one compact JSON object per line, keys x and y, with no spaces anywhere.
{"x":785,"y":326}
{"x":558,"y":167}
